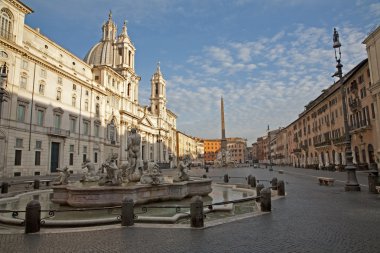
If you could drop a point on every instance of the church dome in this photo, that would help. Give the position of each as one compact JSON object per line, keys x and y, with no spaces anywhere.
{"x":100,"y":54}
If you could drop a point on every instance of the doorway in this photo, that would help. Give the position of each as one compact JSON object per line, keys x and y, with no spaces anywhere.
{"x":54,"y":159}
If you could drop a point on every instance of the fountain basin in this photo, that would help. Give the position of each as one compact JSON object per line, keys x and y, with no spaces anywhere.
{"x":102,"y":196}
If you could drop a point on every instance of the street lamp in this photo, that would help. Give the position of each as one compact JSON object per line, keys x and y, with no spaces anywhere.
{"x":3,"y":84}
{"x":352,"y":182}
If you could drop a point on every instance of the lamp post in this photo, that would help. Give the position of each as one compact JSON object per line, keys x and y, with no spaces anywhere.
{"x":3,"y":84}
{"x":352,"y":182}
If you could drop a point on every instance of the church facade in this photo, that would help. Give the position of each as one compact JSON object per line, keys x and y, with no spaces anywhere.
{"x":59,"y":110}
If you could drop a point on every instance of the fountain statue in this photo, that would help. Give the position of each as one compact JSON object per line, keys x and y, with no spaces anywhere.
{"x":63,"y":178}
{"x":113,"y":175}
{"x":133,"y":173}
{"x":151,"y":174}
{"x":90,"y":175}
{"x":182,"y":171}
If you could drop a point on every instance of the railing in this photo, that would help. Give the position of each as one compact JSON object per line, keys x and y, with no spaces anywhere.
{"x":339,"y":140}
{"x":58,"y":132}
{"x":322,"y":144}
{"x":360,"y":124}
{"x":297,"y":150}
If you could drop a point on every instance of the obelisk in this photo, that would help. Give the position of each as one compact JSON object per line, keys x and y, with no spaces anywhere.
{"x":223,"y":141}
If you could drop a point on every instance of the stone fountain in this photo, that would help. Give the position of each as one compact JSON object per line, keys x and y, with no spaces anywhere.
{"x":142,"y":184}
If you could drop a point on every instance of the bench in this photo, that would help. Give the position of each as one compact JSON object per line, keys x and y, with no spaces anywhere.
{"x":378,"y":189}
{"x":326,"y":181}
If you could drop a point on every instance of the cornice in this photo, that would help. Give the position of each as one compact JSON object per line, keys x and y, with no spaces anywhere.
{"x":19,"y":5}
{"x":19,"y":50}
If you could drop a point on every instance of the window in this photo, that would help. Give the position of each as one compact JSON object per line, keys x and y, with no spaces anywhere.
{"x":129,"y":89}
{"x":86,"y":92}
{"x":57,"y":121}
{"x":23,"y":81}
{"x":59,"y":94}
{"x":71,"y":158}
{"x":24,"y":65}
{"x":41,"y":88}
{"x":96,"y":129}
{"x":74,"y":86}
{"x":373,"y":110}
{"x":59,"y":80}
{"x":19,"y":143}
{"x":18,"y":155}
{"x":43,"y":73}
{"x":73,"y":100}
{"x":85,"y":127}
{"x":84,"y":153}
{"x":38,"y":144}
{"x":96,"y":157}
{"x":97,"y":110}
{"x":73,"y":124}
{"x":86,"y":105}
{"x":21,"y":113}
{"x":40,"y":117}
{"x":156,"y":88}
{"x":37,"y":158}
{"x":6,"y":23}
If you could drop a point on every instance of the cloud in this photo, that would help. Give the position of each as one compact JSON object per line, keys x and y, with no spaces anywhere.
{"x":262,"y":83}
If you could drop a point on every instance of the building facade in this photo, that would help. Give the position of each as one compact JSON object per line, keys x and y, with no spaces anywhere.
{"x":212,"y":147}
{"x":60,"y":110}
{"x":237,"y":149}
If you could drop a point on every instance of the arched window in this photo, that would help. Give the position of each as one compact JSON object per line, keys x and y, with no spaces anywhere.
{"x":74,"y":100}
{"x":41,"y":88}
{"x":86,"y":105}
{"x":59,"y":94}
{"x":371,"y":153}
{"x":129,"y":89}
{"x":357,"y":155}
{"x":97,"y":110}
{"x":6,"y":23}
{"x":156,"y":88}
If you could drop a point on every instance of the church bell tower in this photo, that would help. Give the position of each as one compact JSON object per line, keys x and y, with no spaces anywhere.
{"x":158,"y":93}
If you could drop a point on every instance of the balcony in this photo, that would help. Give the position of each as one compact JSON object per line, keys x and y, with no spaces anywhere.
{"x":354,"y":105}
{"x":360,"y":126}
{"x":322,"y":144}
{"x":297,"y":150}
{"x":339,"y":141}
{"x":304,"y":147}
{"x":58,"y":132}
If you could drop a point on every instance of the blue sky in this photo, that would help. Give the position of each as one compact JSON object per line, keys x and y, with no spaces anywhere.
{"x":267,"y":58}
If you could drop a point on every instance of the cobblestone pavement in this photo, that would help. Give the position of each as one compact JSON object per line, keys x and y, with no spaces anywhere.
{"x":311,"y":218}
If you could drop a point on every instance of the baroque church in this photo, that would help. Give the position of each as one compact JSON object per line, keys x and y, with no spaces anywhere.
{"x":58,"y":110}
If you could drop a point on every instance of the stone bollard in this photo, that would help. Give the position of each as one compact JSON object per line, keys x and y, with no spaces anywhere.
{"x":4,"y":187}
{"x":281,"y":188}
{"x":127,"y":214}
{"x":274,"y":183}
{"x":36,"y":184}
{"x":253,"y":181}
{"x":372,"y":182}
{"x":204,"y":176}
{"x":206,"y":169}
{"x":196,"y":212}
{"x":225,"y":178}
{"x":259,"y":187}
{"x":33,"y":217}
{"x":265,"y":198}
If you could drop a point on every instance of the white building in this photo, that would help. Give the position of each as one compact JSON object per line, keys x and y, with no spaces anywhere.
{"x":60,"y":109}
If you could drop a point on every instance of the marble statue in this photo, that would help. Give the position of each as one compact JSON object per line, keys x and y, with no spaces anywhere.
{"x":182,"y":172}
{"x":133,"y":149}
{"x":90,"y":175}
{"x":151,"y":174}
{"x":63,"y":178}
{"x":113,"y":175}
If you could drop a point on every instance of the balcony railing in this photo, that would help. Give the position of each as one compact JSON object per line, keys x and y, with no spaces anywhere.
{"x":58,"y":132}
{"x":362,"y":124}
{"x":339,"y":140}
{"x":322,"y":144}
{"x":297,"y":150}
